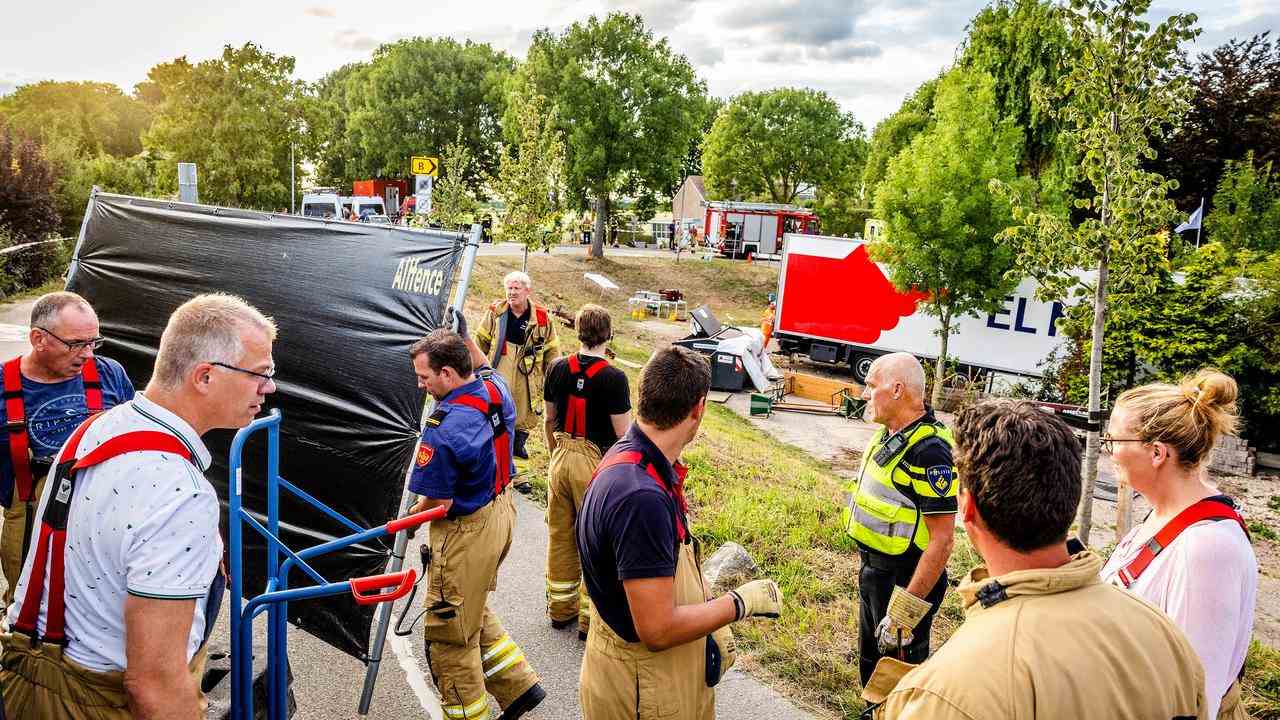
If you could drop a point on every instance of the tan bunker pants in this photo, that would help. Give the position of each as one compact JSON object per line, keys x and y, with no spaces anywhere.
{"x":572,"y":464}
{"x":467,"y":649}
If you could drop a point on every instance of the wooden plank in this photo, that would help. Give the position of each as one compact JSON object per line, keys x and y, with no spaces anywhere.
{"x":719,"y":396}
{"x":821,"y":389}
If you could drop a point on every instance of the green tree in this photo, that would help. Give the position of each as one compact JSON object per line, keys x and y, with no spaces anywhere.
{"x":843,"y":203}
{"x":235,"y":117}
{"x":27,"y":208}
{"x":1111,"y":100}
{"x":96,"y":117}
{"x":1246,"y":208}
{"x":530,"y":172}
{"x":413,"y":98}
{"x":453,"y":203}
{"x":707,"y":110}
{"x":77,"y":173}
{"x":1023,"y":45}
{"x":339,"y":157}
{"x":767,"y":144}
{"x":626,"y":105}
{"x":941,"y":218}
{"x":896,"y":132}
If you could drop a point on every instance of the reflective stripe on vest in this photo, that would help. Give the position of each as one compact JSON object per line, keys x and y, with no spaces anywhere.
{"x":50,"y":548}
{"x":575,"y":417}
{"x":637,"y":458}
{"x":1206,"y":509}
{"x":501,"y":438}
{"x":876,"y":513}
{"x":16,"y":414}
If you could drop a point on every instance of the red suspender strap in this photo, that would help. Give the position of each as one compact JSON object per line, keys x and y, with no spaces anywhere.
{"x":50,"y":548}
{"x":19,"y":443}
{"x":1207,"y":509}
{"x":540,"y":313}
{"x":92,"y":386}
{"x":501,"y":438}
{"x":575,"y":417}
{"x":635,"y":457}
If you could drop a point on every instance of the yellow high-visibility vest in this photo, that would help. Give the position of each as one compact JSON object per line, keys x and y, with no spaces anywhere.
{"x":877,"y":513}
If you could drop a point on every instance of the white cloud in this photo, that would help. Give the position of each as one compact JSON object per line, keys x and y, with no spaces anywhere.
{"x":320,"y":12}
{"x":352,"y":39}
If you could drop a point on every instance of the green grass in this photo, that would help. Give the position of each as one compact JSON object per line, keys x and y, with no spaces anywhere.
{"x":35,"y":292}
{"x":1261,"y":684}
{"x":1260,"y":529}
{"x":1274,"y":502}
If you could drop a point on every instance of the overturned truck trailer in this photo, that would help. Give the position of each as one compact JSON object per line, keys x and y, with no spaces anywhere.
{"x":348,"y":298}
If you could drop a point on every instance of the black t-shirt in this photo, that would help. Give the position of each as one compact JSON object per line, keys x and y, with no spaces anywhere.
{"x":607,"y":394}
{"x":626,"y":531}
{"x":517,"y":326}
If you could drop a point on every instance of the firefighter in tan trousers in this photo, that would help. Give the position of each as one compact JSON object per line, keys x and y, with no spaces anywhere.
{"x":588,"y":407}
{"x":464,"y":463}
{"x":1043,"y":636}
{"x":519,"y":340}
{"x":658,"y":642}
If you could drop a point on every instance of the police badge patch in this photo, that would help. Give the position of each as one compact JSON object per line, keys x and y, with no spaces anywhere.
{"x":425,"y":453}
{"x":940,"y":477}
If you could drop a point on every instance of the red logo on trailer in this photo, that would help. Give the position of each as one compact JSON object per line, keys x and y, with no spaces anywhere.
{"x":816,"y":283}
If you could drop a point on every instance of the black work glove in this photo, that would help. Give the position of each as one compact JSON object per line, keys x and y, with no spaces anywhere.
{"x":456,"y":320}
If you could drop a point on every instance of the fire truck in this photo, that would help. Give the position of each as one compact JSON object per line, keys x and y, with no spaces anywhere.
{"x":742,"y":229}
{"x":836,"y":305}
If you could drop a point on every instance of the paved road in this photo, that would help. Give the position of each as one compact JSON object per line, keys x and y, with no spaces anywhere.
{"x":13,"y":328}
{"x":581,"y":250}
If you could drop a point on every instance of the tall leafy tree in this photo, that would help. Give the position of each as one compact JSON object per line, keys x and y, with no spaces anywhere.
{"x":895,"y":133}
{"x":94,"y":117}
{"x":1246,"y":214}
{"x":843,"y":203}
{"x":27,"y":209}
{"x":413,"y":98}
{"x":1235,"y":110}
{"x":338,"y":154}
{"x":767,"y":144}
{"x":1023,"y":46}
{"x":941,"y":217}
{"x":453,"y":202}
{"x":530,"y":172}
{"x":626,"y":104}
{"x":235,"y":116}
{"x":1111,"y":100}
{"x":706,"y":110}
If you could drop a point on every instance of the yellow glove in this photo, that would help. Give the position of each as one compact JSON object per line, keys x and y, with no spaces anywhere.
{"x":758,"y":598}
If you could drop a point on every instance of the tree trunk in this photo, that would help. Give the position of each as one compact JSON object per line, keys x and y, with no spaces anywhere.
{"x":1092,"y":445}
{"x":602,"y":224}
{"x":940,"y":366}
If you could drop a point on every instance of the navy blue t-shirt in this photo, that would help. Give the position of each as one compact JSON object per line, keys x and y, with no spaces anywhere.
{"x":455,"y":459}
{"x":53,"y":411}
{"x":626,"y":531}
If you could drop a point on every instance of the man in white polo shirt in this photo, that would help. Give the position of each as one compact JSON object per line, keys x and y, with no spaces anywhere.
{"x":142,"y":550}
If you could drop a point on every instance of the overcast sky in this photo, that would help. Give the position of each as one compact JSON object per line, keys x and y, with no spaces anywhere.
{"x":868,"y":54}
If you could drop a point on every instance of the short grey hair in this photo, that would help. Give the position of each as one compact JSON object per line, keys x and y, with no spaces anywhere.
{"x":45,"y":312}
{"x":206,"y":328}
{"x":521,"y":277}
{"x":904,"y":368}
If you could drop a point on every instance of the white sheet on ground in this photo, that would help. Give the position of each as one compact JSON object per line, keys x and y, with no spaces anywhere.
{"x":750,"y":347}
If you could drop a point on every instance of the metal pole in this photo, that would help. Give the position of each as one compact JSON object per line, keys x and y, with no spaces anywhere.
{"x":402,"y":538}
{"x":293,"y":208}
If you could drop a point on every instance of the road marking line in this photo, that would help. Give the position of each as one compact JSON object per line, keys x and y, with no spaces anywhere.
{"x":417,"y":679}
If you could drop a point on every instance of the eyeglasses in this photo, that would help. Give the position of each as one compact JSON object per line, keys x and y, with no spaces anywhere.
{"x":75,"y":345}
{"x":1108,"y":446}
{"x":263,"y":378}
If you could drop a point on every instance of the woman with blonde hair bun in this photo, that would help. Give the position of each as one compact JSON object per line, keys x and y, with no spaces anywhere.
{"x":1159,"y":438}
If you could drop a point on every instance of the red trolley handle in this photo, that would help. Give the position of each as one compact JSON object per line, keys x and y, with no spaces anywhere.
{"x":405,"y":578}
{"x":416,"y":519}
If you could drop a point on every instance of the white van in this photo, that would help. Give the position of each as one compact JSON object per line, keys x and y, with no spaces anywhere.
{"x":322,"y":205}
{"x":361,"y":205}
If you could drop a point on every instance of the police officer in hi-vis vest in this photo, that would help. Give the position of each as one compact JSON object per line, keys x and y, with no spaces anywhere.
{"x":519,"y":340}
{"x":464,"y":463}
{"x":901,"y":511}
{"x":658,"y":642}
{"x":47,"y":393}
